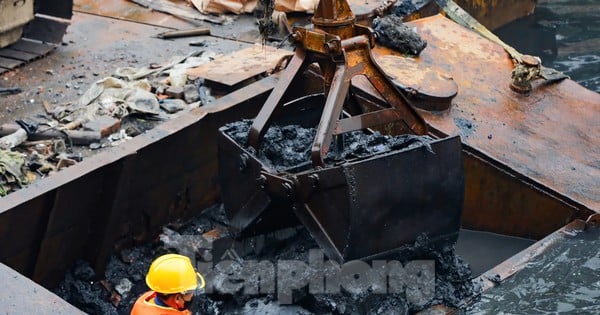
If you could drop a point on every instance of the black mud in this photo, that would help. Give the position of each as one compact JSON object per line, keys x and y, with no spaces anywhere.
{"x":289,"y":146}
{"x":393,"y":33}
{"x":123,"y":280}
{"x":562,"y":280}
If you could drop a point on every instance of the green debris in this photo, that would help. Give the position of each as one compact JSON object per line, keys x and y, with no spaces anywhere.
{"x":11,"y":171}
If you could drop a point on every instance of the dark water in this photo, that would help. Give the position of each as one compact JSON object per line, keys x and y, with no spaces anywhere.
{"x":484,"y":250}
{"x":565,"y":34}
{"x":565,"y":279}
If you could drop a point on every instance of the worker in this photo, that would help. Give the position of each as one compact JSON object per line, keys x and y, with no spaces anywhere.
{"x":172,"y":281}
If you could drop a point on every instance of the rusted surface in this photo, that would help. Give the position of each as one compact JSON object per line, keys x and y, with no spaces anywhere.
{"x":241,"y":65}
{"x":501,"y":202}
{"x":23,"y":296}
{"x":547,"y":136}
{"x":407,"y":73}
{"x":424,"y":87}
{"x":495,"y":13}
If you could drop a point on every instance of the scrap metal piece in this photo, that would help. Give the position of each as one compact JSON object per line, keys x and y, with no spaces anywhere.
{"x":199,"y":31}
{"x":10,"y":91}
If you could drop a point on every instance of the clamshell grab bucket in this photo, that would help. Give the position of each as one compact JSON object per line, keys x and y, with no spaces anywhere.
{"x":361,"y":208}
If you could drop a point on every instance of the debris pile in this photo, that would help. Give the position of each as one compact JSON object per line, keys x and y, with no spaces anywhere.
{"x":113,"y":110}
{"x":116,"y":290}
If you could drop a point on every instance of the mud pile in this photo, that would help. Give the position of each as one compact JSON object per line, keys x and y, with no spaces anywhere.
{"x":393,"y":33}
{"x":123,"y":280}
{"x":289,"y":146}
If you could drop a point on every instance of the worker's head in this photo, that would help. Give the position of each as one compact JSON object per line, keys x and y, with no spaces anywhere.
{"x":174,"y":279}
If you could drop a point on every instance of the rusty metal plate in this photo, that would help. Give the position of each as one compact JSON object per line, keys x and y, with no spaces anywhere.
{"x":241,"y":65}
{"x":429,"y":88}
{"x":549,"y":136}
{"x":408,"y":74}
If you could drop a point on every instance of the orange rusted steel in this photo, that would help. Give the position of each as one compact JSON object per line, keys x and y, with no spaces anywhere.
{"x":491,"y":13}
{"x":495,"y":13}
{"x":546,"y":136}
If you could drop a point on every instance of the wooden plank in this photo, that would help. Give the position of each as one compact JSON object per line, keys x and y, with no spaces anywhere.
{"x":8,"y":63}
{"x":241,"y":65}
{"x":32,"y":47}
{"x":18,"y":55}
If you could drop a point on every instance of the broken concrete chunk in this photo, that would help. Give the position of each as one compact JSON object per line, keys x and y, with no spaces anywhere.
{"x":190,"y":93}
{"x":140,"y":101}
{"x":175,"y":92}
{"x":172,"y":105}
{"x":106,"y":125}
{"x":178,"y":77}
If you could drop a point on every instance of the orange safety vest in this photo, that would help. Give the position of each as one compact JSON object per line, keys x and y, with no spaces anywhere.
{"x":145,"y":306}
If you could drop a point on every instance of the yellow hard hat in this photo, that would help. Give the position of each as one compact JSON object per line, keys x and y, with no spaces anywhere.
{"x":172,"y":273}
